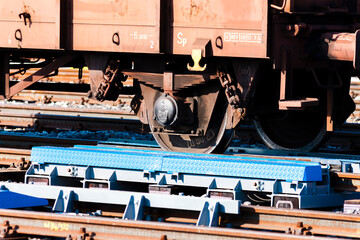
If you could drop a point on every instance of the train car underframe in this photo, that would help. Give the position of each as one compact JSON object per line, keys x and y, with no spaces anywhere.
{"x":201,"y":67}
{"x":291,"y":109}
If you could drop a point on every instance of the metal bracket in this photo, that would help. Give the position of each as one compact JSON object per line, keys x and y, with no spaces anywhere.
{"x":329,"y":110}
{"x":299,"y":229}
{"x":83,"y":235}
{"x":53,"y":66}
{"x":5,"y":231}
{"x":200,"y":49}
{"x":135,"y":208}
{"x":64,"y":202}
{"x":356,"y":61}
{"x":209,"y":215}
{"x":196,"y":55}
{"x":169,"y":84}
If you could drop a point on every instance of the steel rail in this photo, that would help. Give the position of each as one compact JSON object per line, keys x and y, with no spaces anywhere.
{"x":46,"y":109}
{"x":27,"y":142}
{"x":10,"y":156}
{"x":342,"y":181}
{"x":50,"y":121}
{"x":14,"y":163}
{"x":50,"y":117}
{"x":80,"y":98}
{"x":291,"y":220}
{"x":31,"y":115}
{"x":84,"y":227}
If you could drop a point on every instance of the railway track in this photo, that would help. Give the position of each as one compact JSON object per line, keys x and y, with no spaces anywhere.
{"x":78,"y":98}
{"x":44,"y":117}
{"x":73,"y":110}
{"x":203,"y":190}
{"x":279,"y":223}
{"x":24,"y":141}
{"x":253,"y":222}
{"x":49,"y":116}
{"x":345,"y":138}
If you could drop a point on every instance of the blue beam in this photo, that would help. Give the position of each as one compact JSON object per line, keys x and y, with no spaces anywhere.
{"x":150,"y":160}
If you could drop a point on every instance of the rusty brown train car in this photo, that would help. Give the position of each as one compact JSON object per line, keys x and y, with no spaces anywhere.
{"x":201,"y":66}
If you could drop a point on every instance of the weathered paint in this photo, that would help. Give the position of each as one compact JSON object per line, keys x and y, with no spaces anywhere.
{"x":42,"y":32}
{"x":116,"y":25}
{"x":235,"y":28}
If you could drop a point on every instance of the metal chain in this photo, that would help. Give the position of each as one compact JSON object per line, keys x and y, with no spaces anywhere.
{"x":232,"y":92}
{"x":109,"y":88}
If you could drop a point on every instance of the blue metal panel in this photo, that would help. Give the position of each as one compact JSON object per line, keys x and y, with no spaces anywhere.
{"x":16,"y":200}
{"x":97,"y":158}
{"x":295,"y":171}
{"x":104,"y":196}
{"x":130,"y":142}
{"x":210,"y":156}
{"x":149,"y":160}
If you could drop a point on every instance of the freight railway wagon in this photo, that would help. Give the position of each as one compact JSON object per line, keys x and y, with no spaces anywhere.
{"x":201,"y":66}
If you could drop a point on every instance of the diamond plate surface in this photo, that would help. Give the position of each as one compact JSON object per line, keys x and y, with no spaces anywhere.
{"x":96,"y":158}
{"x":249,"y":168}
{"x":171,"y":162}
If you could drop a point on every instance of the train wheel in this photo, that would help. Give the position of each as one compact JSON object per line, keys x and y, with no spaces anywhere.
{"x":295,"y":130}
{"x":215,"y":140}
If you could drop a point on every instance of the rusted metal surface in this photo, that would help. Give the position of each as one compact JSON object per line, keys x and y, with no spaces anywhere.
{"x":44,"y":121}
{"x":312,"y":6}
{"x":65,"y":75}
{"x":168,"y":82}
{"x":59,"y":62}
{"x":14,"y":163}
{"x":239,"y":31}
{"x":73,"y":227}
{"x":343,"y":47}
{"x":110,"y":86}
{"x":181,"y":81}
{"x":119,"y":26}
{"x":75,"y":111}
{"x":299,"y":104}
{"x":153,"y":37}
{"x":4,"y":74}
{"x":313,"y":222}
{"x":14,"y":156}
{"x":30,"y":24}
{"x":68,"y":98}
{"x":135,"y":26}
{"x":345,"y":181}
{"x":27,"y":142}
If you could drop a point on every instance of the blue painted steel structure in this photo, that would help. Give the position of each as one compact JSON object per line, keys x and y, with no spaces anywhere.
{"x":9,"y":200}
{"x":152,"y":161}
{"x":102,"y":175}
{"x":300,"y":183}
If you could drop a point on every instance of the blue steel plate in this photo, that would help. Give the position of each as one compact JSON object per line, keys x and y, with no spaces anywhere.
{"x":10,"y":200}
{"x":172,"y":162}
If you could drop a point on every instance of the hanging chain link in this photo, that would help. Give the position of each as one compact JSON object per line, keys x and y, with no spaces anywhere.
{"x":110,"y":87}
{"x":232,"y":92}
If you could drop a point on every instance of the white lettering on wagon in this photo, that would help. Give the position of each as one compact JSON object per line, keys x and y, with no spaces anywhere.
{"x":181,"y":39}
{"x":139,"y":36}
{"x":243,"y":37}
